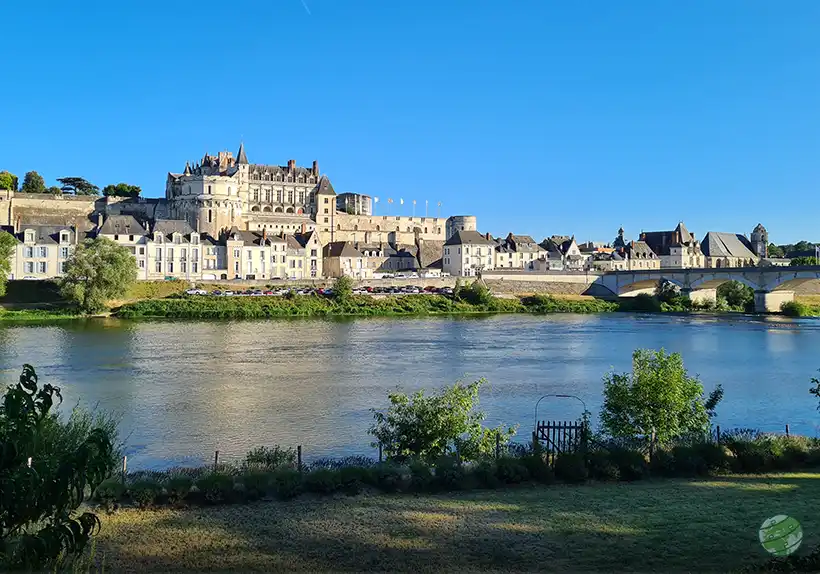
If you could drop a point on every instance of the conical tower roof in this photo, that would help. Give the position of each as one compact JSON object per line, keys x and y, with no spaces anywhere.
{"x":241,"y":158}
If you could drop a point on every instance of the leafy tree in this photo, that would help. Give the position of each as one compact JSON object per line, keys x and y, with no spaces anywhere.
{"x":343,"y":289}
{"x":776,"y":251}
{"x":477,"y":294}
{"x":122,"y":190}
{"x":97,"y":271}
{"x":7,"y":246}
{"x":33,"y":182}
{"x":658,"y":396}
{"x":815,"y":390}
{"x":428,"y":427}
{"x":38,"y":503}
{"x":737,"y":295}
{"x":666,"y":291}
{"x":54,"y":190}
{"x":8,"y":180}
{"x":803,"y":261}
{"x":78,"y":186}
{"x":458,"y":290}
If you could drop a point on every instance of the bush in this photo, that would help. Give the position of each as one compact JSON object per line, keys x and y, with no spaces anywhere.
{"x":449,"y":474}
{"x":601,"y":467}
{"x":178,"y":488}
{"x":352,"y":479}
{"x":387,"y":477}
{"x":271,"y":458}
{"x":485,"y":475}
{"x":287,"y":483}
{"x":750,"y":456}
{"x":631,"y":464}
{"x":109,"y":493}
{"x":256,"y":484}
{"x":323,"y":481}
{"x":144,"y":493}
{"x":511,"y":470}
{"x":421,"y":476}
{"x":537,"y":467}
{"x":571,"y":467}
{"x":216,"y":487}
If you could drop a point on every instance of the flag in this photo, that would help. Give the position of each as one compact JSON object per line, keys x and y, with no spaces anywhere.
{"x":439,"y":204}
{"x":414,"y":202}
{"x":401,"y":201}
{"x":375,"y":200}
{"x":389,"y":200}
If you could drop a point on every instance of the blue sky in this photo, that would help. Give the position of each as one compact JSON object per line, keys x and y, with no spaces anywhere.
{"x":539,"y":117}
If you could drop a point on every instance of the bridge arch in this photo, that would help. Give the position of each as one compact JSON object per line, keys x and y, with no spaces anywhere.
{"x":792,"y":277}
{"x":715,"y":281}
{"x":642,"y":284}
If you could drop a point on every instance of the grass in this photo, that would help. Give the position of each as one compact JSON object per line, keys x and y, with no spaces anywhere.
{"x":659,"y":526}
{"x":34,"y":315}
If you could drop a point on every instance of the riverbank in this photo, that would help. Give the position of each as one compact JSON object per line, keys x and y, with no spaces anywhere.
{"x":669,"y":525}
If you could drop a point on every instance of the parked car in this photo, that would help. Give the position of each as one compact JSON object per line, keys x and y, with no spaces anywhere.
{"x":217,"y":293}
{"x":196,"y":292}
{"x":229,"y":293}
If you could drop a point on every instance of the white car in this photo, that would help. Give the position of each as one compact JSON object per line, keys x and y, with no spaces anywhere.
{"x":196,"y":292}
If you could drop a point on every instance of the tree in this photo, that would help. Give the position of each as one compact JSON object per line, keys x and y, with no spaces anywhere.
{"x":803,"y":261}
{"x":666,"y":291}
{"x":428,"y":427}
{"x":78,"y":186}
{"x":477,"y":294}
{"x":41,"y":488}
{"x":658,"y":397}
{"x":54,"y":190}
{"x":8,"y":181}
{"x":33,"y":182}
{"x":343,"y":289}
{"x":815,"y":390}
{"x":776,"y":251}
{"x":7,"y":246}
{"x":122,"y":190}
{"x":97,"y":271}
{"x":737,"y":295}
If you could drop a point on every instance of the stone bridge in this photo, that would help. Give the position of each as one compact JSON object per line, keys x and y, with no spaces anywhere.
{"x":773,"y":286}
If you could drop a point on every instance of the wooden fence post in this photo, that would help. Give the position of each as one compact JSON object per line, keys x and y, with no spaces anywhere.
{"x":299,"y":457}
{"x":652,"y":445}
{"x":787,"y":430}
{"x":124,"y":468}
{"x":216,"y":460}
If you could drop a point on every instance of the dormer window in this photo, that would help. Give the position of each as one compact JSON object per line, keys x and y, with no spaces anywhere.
{"x":195,"y":239}
{"x":158,"y":237}
{"x":64,"y":237}
{"x":29,"y":236}
{"x":177,"y":238}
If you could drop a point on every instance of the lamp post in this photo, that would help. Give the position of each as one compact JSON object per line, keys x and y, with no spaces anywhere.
{"x":535,"y":423}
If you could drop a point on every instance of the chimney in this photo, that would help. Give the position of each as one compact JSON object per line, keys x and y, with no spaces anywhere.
{"x":315,"y":168}
{"x":264,"y":235}
{"x":292,"y":164}
{"x":17,"y":223}
{"x":304,"y":228}
{"x":489,"y":238}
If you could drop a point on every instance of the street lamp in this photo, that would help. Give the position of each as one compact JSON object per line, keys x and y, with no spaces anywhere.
{"x":535,"y":425}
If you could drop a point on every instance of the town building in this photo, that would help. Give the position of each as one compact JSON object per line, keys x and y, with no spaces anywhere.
{"x":677,"y":249}
{"x":354,"y":204}
{"x":727,"y":250}
{"x":41,"y":250}
{"x":341,"y":258}
{"x":517,"y":252}
{"x":572,"y":258}
{"x":468,"y":253}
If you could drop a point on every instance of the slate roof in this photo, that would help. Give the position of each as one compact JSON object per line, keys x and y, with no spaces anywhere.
{"x":325,"y":186}
{"x":661,"y":241}
{"x":520,"y":244}
{"x":240,"y":155}
{"x":640,"y":250}
{"x":466,"y":237}
{"x":717,"y":244}
{"x":121,"y":225}
{"x":340,"y":249}
{"x":168,"y":227}
{"x":553,"y":252}
{"x":43,"y":234}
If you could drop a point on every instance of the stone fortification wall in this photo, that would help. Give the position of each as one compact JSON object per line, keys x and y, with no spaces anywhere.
{"x":52,"y":210}
{"x":386,"y":228}
{"x":141,"y":208}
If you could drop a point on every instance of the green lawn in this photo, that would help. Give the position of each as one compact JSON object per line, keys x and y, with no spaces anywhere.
{"x":659,"y":526}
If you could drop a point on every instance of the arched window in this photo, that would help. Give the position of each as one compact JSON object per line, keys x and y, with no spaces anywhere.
{"x":210,"y":215}
{"x":425,"y":230}
{"x":255,"y":208}
{"x":355,"y":228}
{"x":378,"y":228}
{"x":338,"y":228}
{"x":289,"y":210}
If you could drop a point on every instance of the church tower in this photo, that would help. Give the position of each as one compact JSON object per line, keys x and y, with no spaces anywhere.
{"x":760,"y":241}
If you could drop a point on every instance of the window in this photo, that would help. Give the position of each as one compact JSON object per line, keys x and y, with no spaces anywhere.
{"x":236,"y":266}
{"x":29,"y":236}
{"x":159,"y":254}
{"x":279,"y":196}
{"x":41,"y":267}
{"x":170,"y":253}
{"x":183,"y":266}
{"x":283,"y":258}
{"x":61,"y":267}
{"x":325,"y":202}
{"x":256,"y":195}
{"x":325,"y":210}
{"x":210,"y":216}
{"x":290,"y":196}
{"x":250,"y":254}
{"x":116,"y":237}
{"x":159,"y":266}
{"x":142,"y":263}
{"x":196,"y":254}
{"x":29,"y":252}
{"x":194,"y":267}
{"x":183,"y":254}
{"x":209,"y":189}
{"x":262,"y":255}
{"x":29,"y":267}
{"x":313,"y":253}
{"x":131,"y":238}
{"x":64,"y":238}
{"x":63,"y":252}
{"x":43,"y":251}
{"x":177,"y":239}
{"x":236,"y":253}
{"x":142,"y":250}
{"x":325,"y":218}
{"x":170,"y":266}
{"x":267,"y":195}
{"x":195,"y":240}
{"x":292,"y":264}
{"x":300,"y":264}
{"x":229,"y":190}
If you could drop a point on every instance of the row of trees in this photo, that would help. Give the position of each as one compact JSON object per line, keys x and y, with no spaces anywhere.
{"x":789,"y":249}
{"x":33,"y":182}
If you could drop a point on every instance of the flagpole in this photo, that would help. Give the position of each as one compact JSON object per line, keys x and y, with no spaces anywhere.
{"x":426,"y":207}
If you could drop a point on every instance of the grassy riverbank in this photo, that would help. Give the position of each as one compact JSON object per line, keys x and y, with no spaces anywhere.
{"x":201,"y":307}
{"x":661,"y":526}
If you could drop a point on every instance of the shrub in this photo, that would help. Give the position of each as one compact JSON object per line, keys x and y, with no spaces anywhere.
{"x":352,"y":479}
{"x":387,"y":477}
{"x":631,"y":464}
{"x":256,"y":484}
{"x":485,"y":474}
{"x":287,"y":483}
{"x":271,"y":458}
{"x":538,"y":468}
{"x":750,"y":456}
{"x":343,"y":289}
{"x":570,"y":467}
{"x":795,"y":309}
{"x":144,"y":493}
{"x":429,"y":427}
{"x":216,"y":487}
{"x":421,"y":476}
{"x":601,"y":467}
{"x":109,"y":493}
{"x":322,"y":481}
{"x":449,"y":474}
{"x":178,"y":488}
{"x":511,"y":470}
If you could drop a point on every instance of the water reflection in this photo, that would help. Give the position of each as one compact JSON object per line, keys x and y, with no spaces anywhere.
{"x":186,"y":389}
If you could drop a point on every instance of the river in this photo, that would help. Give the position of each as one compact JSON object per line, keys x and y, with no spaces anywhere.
{"x":186,"y":389}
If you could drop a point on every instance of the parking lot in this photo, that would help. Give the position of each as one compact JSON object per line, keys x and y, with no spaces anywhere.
{"x":406,"y":290}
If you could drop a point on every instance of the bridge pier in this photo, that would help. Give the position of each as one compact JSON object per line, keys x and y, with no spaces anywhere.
{"x":770,"y":301}
{"x":700,"y":296}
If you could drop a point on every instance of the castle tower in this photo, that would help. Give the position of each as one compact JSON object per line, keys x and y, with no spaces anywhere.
{"x":760,"y":241}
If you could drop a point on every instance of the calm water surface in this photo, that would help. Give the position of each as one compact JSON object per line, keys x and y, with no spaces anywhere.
{"x":185,"y":389}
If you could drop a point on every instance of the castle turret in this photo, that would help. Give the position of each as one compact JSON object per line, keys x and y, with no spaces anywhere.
{"x":760,"y":241}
